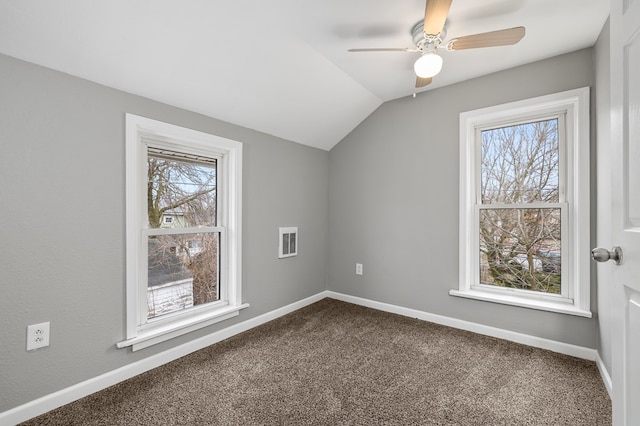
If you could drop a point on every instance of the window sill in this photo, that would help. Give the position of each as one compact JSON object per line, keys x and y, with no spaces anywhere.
{"x":177,"y":328}
{"x":542,"y":305}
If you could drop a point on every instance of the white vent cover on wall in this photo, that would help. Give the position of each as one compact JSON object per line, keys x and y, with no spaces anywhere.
{"x":288,"y":242}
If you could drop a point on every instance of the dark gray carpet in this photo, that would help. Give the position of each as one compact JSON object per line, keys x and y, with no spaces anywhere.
{"x":334,"y":363}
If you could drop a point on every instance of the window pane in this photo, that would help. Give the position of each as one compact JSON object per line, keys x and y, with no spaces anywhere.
{"x":520,"y":164}
{"x":520,"y":248}
{"x":182,"y":272}
{"x":180,"y":193}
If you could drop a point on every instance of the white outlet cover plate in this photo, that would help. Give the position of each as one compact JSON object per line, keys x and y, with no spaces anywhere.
{"x":37,"y":336}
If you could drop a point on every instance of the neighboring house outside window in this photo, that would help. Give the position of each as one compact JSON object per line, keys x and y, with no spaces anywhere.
{"x":183,"y":230}
{"x":524,"y":220}
{"x":169,"y":282}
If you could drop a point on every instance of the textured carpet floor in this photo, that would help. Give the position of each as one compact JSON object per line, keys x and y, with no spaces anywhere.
{"x":334,"y":363}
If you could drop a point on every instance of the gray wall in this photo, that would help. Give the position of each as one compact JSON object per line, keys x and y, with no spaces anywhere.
{"x":393,"y":200}
{"x":391,"y":188}
{"x":62,"y":225}
{"x":602,"y":178}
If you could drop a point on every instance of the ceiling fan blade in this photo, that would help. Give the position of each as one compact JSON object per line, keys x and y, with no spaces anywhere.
{"x":490,"y":39}
{"x":421,"y":82}
{"x":384,"y":49}
{"x":435,"y":15}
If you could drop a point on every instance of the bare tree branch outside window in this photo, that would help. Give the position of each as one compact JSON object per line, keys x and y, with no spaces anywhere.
{"x":519,"y":243}
{"x":182,"y":194}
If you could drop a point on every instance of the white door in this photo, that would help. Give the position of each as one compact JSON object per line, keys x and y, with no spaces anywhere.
{"x":625,"y":144}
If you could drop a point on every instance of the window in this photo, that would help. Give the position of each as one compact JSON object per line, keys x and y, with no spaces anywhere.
{"x":183,"y":230}
{"x":524,"y":200}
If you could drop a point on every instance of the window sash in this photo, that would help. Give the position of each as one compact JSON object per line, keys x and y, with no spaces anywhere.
{"x":168,"y":151}
{"x":143,"y":280}
{"x":567,"y":290}
{"x":562,"y":150}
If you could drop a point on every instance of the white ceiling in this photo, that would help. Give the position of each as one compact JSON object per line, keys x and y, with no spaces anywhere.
{"x":279,"y":66}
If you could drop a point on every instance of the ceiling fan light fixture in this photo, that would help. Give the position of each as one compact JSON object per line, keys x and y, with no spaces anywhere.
{"x":428,"y":65}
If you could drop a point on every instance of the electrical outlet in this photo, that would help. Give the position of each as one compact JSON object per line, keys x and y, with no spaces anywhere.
{"x":358,"y":268}
{"x":37,"y":336}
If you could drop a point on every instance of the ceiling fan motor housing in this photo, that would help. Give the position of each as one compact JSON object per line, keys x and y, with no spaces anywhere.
{"x":422,"y":40}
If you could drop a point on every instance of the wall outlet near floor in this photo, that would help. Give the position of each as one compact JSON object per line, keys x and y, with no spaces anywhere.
{"x":358,"y":268}
{"x":37,"y":336}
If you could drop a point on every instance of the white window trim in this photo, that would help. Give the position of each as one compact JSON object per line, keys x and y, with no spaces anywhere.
{"x":575,"y":105}
{"x":140,"y":132}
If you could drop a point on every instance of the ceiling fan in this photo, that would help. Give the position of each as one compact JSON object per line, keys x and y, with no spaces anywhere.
{"x":428,"y":36}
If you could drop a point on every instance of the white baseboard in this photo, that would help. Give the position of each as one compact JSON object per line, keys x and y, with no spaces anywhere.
{"x":80,"y":390}
{"x":95,"y":384}
{"x":537,"y":342}
{"x":604,"y":373}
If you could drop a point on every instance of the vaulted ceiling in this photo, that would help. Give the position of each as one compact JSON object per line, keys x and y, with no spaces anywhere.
{"x":280,"y":66}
